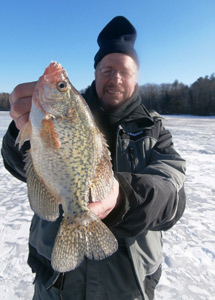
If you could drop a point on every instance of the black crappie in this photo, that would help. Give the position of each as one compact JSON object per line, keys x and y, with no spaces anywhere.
{"x":68,"y":163}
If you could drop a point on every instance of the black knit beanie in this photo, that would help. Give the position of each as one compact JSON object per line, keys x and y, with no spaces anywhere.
{"x":118,"y":36}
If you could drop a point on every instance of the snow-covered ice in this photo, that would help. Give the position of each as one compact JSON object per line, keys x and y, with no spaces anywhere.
{"x":189,"y":247}
{"x":15,"y":216}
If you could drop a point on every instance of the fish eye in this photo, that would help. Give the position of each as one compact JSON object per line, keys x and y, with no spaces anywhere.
{"x":61,"y":86}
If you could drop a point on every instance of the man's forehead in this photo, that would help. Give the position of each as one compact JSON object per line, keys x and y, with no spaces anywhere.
{"x":118,"y":60}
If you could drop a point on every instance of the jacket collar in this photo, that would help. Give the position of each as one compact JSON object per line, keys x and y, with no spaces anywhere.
{"x":131,"y":110}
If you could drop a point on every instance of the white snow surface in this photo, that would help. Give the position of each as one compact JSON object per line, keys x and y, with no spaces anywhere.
{"x":189,"y":247}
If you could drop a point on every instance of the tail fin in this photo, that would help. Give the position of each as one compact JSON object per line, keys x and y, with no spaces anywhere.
{"x":85,"y":235}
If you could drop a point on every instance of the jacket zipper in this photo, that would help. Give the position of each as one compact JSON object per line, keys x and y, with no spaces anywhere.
{"x":116,"y":147}
{"x":130,"y":152}
{"x":132,"y":157}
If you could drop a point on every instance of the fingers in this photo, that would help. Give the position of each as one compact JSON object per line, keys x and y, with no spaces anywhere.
{"x":20,"y":107}
{"x":99,"y":209}
{"x":22,"y":90}
{"x":20,"y":102}
{"x":19,"y":111}
{"x":104,"y":207}
{"x":21,"y":121}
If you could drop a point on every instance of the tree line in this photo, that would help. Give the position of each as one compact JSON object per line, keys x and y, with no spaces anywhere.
{"x":174,"y":98}
{"x":4,"y":101}
{"x":178,"y":98}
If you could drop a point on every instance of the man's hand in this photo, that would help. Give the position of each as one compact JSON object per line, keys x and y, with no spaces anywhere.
{"x":20,"y":103}
{"x":104,"y":207}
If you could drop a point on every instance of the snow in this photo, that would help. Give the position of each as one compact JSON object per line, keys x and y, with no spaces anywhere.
{"x":189,"y":247}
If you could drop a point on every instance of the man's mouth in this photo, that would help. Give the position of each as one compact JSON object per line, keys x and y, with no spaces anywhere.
{"x":113,"y":92}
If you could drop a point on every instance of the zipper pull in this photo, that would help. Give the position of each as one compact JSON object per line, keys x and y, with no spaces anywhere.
{"x":131,"y":153}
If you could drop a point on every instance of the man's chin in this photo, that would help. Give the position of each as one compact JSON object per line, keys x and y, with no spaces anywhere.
{"x":111,"y":104}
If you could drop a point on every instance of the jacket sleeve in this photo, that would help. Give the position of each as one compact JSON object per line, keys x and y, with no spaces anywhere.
{"x":154,"y":199}
{"x":13,"y":158}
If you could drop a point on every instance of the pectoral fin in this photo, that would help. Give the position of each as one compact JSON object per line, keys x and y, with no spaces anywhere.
{"x":49,"y":135}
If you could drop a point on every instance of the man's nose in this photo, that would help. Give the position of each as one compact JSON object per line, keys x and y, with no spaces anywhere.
{"x":116,"y":77}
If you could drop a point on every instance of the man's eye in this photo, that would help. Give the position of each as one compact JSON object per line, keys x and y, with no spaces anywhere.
{"x":106,"y":73}
{"x":125,"y":74}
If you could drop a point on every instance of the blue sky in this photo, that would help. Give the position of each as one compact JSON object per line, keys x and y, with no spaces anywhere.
{"x":176,"y":38}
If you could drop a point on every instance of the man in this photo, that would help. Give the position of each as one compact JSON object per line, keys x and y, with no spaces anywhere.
{"x":148,"y":194}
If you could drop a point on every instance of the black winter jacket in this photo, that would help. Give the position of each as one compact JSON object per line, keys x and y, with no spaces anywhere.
{"x":150,"y":172}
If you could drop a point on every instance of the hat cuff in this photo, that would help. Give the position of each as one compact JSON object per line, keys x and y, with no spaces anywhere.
{"x":116,"y":48}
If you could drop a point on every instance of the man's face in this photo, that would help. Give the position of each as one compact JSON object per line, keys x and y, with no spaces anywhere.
{"x":115,"y":79}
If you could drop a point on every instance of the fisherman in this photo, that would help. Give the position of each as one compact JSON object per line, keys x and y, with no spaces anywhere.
{"x":148,"y":195}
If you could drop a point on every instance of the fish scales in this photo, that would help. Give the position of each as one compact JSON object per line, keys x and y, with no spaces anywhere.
{"x":68,"y":163}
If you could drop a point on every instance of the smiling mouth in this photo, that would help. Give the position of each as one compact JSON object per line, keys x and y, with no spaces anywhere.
{"x":113,"y":92}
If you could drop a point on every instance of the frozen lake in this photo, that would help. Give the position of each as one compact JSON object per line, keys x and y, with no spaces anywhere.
{"x":189,"y":247}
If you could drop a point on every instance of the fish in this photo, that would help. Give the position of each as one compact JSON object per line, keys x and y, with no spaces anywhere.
{"x":68,"y":164}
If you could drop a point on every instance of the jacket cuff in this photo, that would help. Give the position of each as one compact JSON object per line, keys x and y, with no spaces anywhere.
{"x":12,"y":157}
{"x":12,"y":130}
{"x":125,"y":194}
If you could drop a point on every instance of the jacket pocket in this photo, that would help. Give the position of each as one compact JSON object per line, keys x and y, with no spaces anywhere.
{"x":133,"y":152}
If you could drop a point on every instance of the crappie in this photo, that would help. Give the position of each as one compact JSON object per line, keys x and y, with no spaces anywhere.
{"x":68,"y":164}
